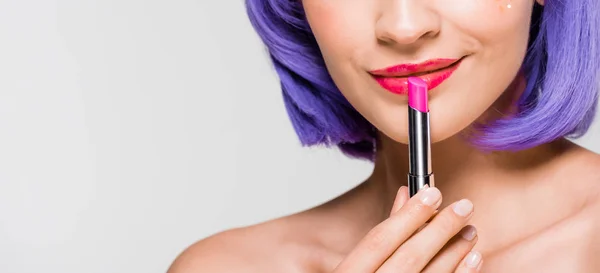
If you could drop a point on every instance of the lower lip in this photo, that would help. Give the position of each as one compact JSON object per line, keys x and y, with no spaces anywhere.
{"x":400,"y":85}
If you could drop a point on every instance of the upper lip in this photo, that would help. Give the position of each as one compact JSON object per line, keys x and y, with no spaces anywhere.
{"x":414,"y":69}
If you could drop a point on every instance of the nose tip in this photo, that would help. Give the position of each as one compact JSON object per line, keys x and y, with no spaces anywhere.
{"x":406,"y":22}
{"x":402,"y":34}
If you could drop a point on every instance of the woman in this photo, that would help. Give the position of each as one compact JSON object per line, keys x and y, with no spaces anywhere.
{"x":517,"y":77}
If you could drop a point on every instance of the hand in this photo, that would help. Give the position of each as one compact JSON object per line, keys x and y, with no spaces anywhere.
{"x":406,"y":243}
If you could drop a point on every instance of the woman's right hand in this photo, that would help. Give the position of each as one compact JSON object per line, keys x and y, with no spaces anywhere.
{"x":407,"y":242}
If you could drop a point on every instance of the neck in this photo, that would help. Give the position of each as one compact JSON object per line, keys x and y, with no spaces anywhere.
{"x":506,"y":187}
{"x":462,"y":171}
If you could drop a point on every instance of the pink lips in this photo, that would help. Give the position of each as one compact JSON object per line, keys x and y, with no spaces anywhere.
{"x":432,"y":72}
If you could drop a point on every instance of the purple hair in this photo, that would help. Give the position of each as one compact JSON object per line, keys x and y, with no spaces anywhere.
{"x":562,"y":67}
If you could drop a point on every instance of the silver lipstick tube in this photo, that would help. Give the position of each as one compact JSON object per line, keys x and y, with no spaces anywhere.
{"x":420,"y":172}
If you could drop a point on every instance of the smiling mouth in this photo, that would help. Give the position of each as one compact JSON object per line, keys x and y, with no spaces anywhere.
{"x":433,"y":72}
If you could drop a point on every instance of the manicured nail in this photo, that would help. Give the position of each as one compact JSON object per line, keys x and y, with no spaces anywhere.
{"x":468,"y":232}
{"x":463,"y":207}
{"x":430,"y":196}
{"x":473,"y":259}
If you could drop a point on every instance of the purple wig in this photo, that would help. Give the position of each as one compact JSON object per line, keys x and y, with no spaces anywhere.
{"x":562,"y":67}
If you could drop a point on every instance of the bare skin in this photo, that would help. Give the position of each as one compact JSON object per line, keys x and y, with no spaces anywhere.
{"x":535,"y":211}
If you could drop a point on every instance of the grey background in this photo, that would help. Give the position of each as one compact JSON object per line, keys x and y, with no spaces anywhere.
{"x":132,"y":128}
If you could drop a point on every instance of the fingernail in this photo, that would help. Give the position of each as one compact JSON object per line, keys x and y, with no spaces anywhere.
{"x":430,"y":196}
{"x":468,"y":232}
{"x":473,"y":259}
{"x":463,"y":207}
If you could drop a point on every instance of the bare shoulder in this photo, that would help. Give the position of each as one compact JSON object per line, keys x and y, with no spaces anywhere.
{"x":265,"y":247}
{"x":592,"y":252}
{"x":582,"y":172}
{"x":569,"y":245}
{"x":222,"y":252}
{"x":572,"y":245}
{"x":581,"y":239}
{"x":582,"y":229}
{"x":578,"y":240}
{"x":590,"y":168}
{"x":245,"y":249}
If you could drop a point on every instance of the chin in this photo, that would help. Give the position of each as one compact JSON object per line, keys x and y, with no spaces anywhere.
{"x":446,"y":122}
{"x":400,"y":134}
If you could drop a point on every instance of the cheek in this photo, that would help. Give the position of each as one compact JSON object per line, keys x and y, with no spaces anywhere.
{"x":492,"y":20}
{"x":339,"y":27}
{"x":344,"y":31}
{"x":502,"y":34}
{"x":499,"y":36}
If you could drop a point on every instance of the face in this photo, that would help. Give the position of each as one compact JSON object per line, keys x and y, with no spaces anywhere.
{"x":468,"y":51}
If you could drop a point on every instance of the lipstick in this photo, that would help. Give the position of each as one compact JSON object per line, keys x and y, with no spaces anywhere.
{"x":420,"y":172}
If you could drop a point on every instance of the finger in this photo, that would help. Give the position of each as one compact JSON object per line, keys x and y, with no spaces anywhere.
{"x":427,"y":223}
{"x":421,"y":228}
{"x":454,"y":252}
{"x":401,"y":198}
{"x":471,"y":263}
{"x":381,"y":241}
{"x":423,"y":246}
